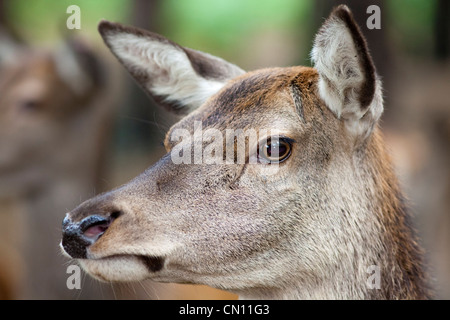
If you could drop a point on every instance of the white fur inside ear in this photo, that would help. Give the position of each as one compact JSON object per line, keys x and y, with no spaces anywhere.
{"x":167,"y":68}
{"x":340,"y":77}
{"x":335,"y":58}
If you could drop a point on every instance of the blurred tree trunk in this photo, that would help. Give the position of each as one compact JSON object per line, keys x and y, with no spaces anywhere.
{"x":137,"y":131}
{"x":4,"y":23}
{"x":145,"y":14}
{"x":376,"y":38}
{"x":2,"y":12}
{"x":442,"y":30}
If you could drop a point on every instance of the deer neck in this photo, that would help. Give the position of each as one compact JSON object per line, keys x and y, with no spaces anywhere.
{"x":403,"y":274}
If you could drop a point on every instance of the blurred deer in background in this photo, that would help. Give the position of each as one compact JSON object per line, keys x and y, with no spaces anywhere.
{"x":55,"y":118}
{"x":318,"y":209}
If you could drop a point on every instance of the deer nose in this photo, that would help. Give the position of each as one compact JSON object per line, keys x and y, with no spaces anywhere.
{"x":77,"y":236}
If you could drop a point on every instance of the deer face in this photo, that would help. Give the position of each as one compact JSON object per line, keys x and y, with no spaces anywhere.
{"x":271,"y":212}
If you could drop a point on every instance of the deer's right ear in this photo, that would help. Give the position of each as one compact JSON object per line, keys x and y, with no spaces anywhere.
{"x":179,"y":78}
{"x":348,"y":82}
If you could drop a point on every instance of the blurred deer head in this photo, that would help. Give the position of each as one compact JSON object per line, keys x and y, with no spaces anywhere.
{"x":44,"y":96}
{"x":53,"y":127}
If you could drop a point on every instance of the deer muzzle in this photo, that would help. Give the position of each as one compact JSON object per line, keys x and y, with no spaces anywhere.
{"x":78,"y":236}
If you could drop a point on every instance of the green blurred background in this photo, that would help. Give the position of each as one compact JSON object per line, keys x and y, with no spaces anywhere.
{"x":250,"y":33}
{"x":224,"y":26}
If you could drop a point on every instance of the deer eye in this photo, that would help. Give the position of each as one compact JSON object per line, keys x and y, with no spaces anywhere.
{"x":29,"y":105}
{"x":275,"y":150}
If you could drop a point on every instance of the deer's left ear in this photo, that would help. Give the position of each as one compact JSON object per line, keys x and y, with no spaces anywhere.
{"x":348,"y":82}
{"x":10,"y":48}
{"x":179,"y":78}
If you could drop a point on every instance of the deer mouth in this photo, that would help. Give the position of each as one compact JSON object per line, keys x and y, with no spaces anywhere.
{"x":153,"y":264}
{"x":123,"y":267}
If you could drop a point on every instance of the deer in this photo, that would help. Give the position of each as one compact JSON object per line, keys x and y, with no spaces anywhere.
{"x":55,"y":115}
{"x":320,"y":205}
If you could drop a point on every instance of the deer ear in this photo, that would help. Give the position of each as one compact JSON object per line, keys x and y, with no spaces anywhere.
{"x":78,"y":65}
{"x":347,"y":78}
{"x":10,"y":47}
{"x":179,"y":78}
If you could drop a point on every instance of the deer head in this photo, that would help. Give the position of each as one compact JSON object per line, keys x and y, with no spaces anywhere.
{"x":303,"y":212}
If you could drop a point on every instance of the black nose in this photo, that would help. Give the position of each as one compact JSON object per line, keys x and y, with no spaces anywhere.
{"x":77,"y":236}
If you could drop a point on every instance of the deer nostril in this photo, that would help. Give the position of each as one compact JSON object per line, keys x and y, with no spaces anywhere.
{"x":93,"y":227}
{"x":96,"y":230}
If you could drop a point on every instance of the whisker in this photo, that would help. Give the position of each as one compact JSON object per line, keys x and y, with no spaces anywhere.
{"x":113,"y":291}
{"x":149,"y":296}
{"x":142,"y":121}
